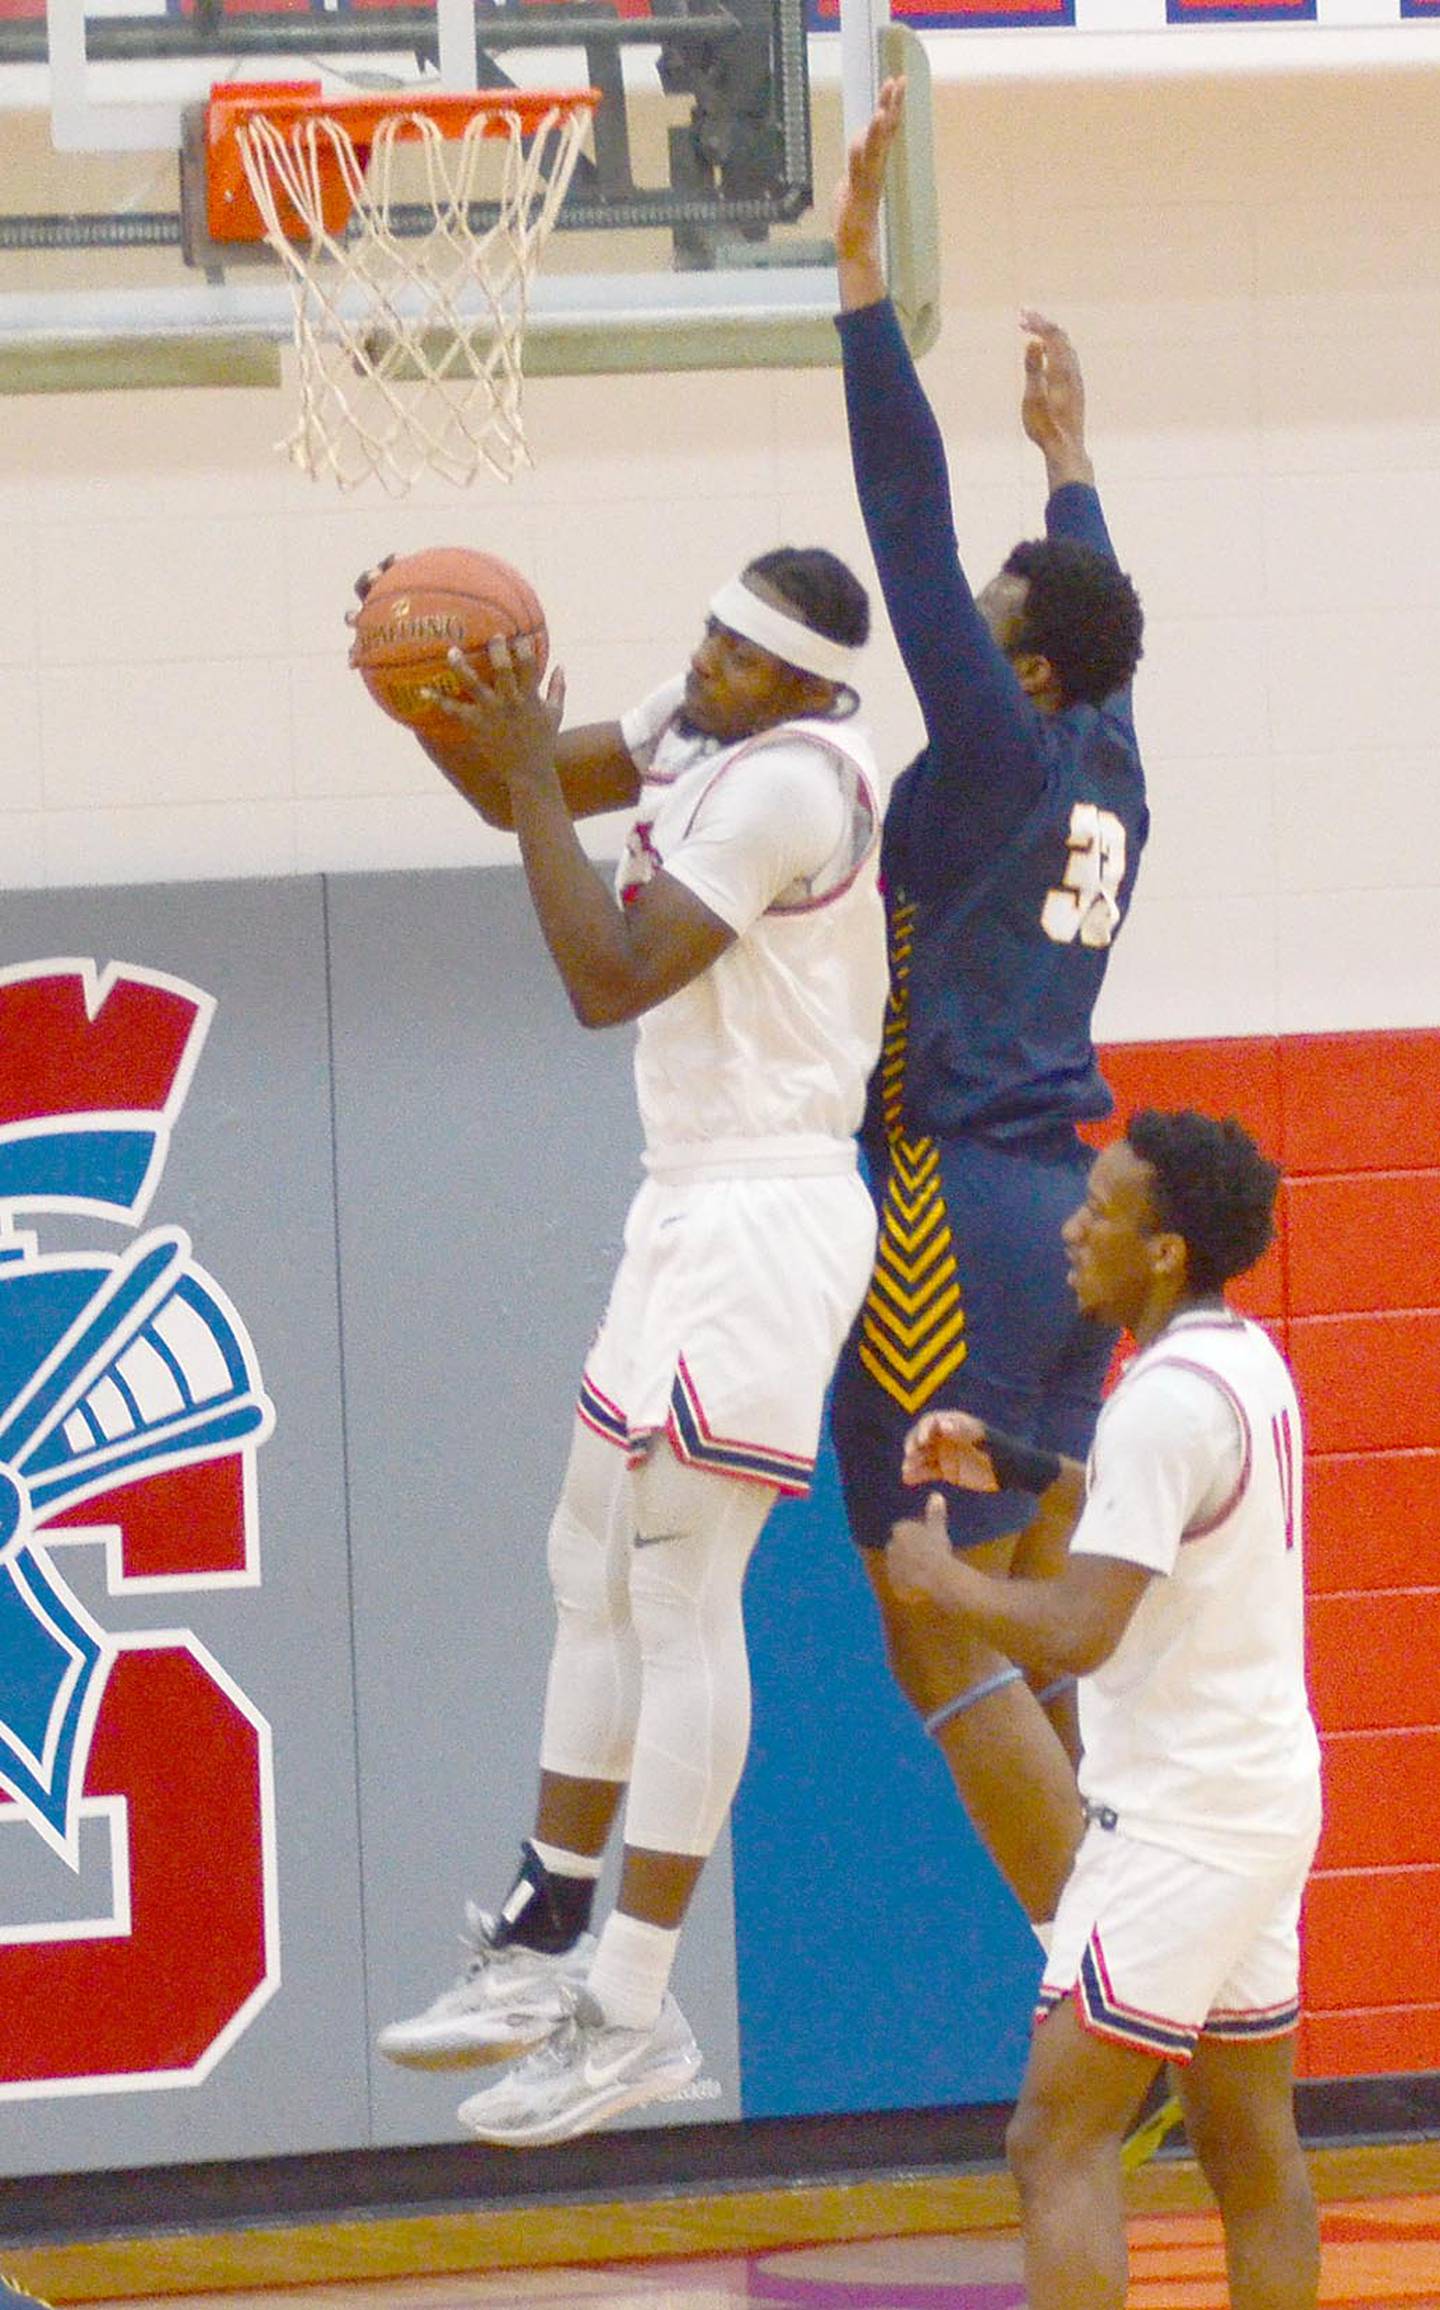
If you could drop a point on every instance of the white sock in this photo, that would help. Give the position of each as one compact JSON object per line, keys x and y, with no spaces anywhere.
{"x":632,"y":1969}
{"x":563,"y":1864}
{"x":1044,"y":1933}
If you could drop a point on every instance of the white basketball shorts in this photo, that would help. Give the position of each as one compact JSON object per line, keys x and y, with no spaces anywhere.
{"x":729,"y":1308}
{"x":1156,"y":1947}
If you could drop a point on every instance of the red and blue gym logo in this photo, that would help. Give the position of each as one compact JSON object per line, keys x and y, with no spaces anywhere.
{"x":137,"y":1880}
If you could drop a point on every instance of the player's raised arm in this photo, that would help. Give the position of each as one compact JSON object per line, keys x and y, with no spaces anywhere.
{"x":963,"y":683}
{"x":1052,"y":406}
{"x":857,"y":203}
{"x":1052,"y":411}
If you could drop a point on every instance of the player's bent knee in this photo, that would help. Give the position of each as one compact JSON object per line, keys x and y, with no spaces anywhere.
{"x":1029,"y":2147}
{"x":586,"y":1548}
{"x":592,"y":1693}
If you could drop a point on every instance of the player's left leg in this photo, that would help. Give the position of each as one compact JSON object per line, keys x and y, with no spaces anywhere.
{"x":1010,"y":1771}
{"x":627,"y":2042}
{"x":1079,"y":2093}
{"x":1014,"y":1323}
{"x":1239,"y":2105}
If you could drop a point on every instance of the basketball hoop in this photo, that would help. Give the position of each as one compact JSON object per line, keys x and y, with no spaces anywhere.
{"x":411,"y":268}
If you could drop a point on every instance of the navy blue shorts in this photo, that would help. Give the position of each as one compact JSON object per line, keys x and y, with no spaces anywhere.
{"x":969,"y":1310}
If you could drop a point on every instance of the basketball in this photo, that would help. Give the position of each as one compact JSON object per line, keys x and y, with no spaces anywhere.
{"x":426,"y":604}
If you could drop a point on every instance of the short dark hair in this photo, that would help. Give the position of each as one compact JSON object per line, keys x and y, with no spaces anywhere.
{"x":1211,"y":1185}
{"x":1082,"y":613}
{"x":814,"y":581}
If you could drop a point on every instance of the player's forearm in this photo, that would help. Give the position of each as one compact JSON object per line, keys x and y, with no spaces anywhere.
{"x":582,"y":926}
{"x":593,"y":764}
{"x":1057,"y":1508}
{"x":862,"y":277}
{"x":1033,"y":1622}
{"x":1073,"y":510}
{"x":473,"y":780}
{"x":896,"y":446}
{"x":1066,"y":462}
{"x":902,"y":480}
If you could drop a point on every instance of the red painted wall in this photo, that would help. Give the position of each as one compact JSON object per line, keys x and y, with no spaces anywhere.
{"x":1351,"y":1289}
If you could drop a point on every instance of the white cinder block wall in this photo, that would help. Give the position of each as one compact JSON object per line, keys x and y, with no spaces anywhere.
{"x":1251,"y":269}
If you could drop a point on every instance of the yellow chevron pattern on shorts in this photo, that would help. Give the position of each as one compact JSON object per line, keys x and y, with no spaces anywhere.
{"x":912,"y":1324}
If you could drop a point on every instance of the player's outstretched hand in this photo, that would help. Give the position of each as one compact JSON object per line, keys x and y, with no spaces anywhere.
{"x":949,"y":1448}
{"x":919,"y":1559}
{"x":505,"y":720}
{"x":1052,"y":407}
{"x":858,"y":196}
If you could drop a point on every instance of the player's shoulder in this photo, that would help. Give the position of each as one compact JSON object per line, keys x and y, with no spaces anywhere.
{"x":814,"y":742}
{"x":803,"y":766}
{"x":1159,"y":1391}
{"x":1087,"y":744}
{"x":1206,"y":1361}
{"x":659,"y":745}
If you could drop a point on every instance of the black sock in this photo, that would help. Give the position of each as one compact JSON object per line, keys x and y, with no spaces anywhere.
{"x":543,"y":1911}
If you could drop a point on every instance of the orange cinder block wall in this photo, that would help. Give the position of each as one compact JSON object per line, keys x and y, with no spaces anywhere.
{"x":1351,"y":1290}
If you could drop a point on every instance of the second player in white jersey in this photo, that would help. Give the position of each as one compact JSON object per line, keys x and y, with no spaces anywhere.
{"x":1180,"y":1607}
{"x":1196,"y":1730}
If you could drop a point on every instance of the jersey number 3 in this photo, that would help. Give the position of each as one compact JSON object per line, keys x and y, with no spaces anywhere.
{"x":1087,"y":904}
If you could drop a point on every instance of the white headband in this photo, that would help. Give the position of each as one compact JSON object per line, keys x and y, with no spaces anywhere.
{"x":782,"y":634}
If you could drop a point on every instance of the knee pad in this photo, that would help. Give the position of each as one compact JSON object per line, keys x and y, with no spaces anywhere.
{"x":587,"y":1550}
{"x":694,"y":1534}
{"x":593,"y":1693}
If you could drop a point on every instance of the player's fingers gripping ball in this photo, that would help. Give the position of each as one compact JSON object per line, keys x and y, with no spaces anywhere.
{"x":421,"y":608}
{"x":500,"y":706}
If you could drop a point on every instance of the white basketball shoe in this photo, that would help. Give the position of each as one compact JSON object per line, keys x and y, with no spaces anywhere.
{"x":587,"y":2072}
{"x":507,"y":1999}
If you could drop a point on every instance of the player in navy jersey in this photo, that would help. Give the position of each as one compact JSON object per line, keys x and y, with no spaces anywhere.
{"x":1008,"y":860}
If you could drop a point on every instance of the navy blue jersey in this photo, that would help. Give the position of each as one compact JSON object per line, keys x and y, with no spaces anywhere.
{"x":1011,"y":843}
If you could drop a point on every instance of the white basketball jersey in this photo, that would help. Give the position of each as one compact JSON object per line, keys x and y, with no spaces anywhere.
{"x":762,"y":1061}
{"x":1197,"y":1730}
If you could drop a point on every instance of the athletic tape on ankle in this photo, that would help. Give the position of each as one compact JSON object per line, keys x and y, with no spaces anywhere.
{"x":559,"y":1861}
{"x":1053,"y":1691}
{"x":977,"y":1692}
{"x":1018,"y":1466}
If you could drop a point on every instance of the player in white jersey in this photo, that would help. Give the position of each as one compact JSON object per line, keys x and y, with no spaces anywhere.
{"x":746,"y":935}
{"x":1181,"y":1609}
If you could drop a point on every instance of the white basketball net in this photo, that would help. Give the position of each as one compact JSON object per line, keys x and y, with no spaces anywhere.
{"x":410,"y":345}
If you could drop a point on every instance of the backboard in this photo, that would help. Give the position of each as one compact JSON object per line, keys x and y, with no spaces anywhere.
{"x":694,"y":233}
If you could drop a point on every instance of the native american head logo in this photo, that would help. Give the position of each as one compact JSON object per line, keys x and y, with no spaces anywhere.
{"x":114,"y":1366}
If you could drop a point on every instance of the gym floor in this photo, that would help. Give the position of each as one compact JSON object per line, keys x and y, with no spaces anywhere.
{"x":945,"y":2243}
